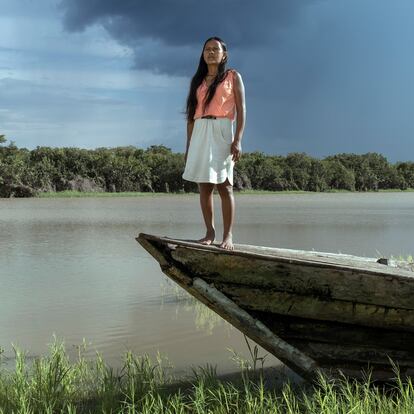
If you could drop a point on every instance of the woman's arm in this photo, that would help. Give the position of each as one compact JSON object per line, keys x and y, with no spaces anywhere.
{"x":240,"y":101}
{"x":190,"y":126}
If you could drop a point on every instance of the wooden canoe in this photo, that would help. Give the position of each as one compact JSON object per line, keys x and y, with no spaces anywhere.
{"x":312,"y":310}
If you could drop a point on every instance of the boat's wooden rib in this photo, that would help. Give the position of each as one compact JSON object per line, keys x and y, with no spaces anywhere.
{"x":256,"y":330}
{"x":310,"y":309}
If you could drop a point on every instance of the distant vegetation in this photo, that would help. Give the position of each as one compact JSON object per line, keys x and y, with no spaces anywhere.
{"x":26,"y":173}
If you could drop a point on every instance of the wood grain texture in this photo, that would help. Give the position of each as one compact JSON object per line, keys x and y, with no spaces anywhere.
{"x":313,"y":307}
{"x":328,"y":282}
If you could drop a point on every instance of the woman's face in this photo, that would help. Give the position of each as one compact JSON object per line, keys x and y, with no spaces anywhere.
{"x":213,"y":52}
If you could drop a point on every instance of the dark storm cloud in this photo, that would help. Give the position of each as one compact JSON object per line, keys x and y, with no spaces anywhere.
{"x":321,"y":77}
{"x":179,"y":28}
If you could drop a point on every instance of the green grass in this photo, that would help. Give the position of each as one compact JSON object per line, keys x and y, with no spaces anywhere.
{"x":404,"y":258}
{"x":53,"y":384}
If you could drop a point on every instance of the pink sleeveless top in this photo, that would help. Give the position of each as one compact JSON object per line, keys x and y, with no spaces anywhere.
{"x":223,"y":103}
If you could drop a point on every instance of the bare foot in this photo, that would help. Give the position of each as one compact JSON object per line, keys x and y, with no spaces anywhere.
{"x":227,"y":243}
{"x":209,"y":238}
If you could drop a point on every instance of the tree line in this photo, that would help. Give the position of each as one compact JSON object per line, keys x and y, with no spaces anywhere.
{"x":25,"y":173}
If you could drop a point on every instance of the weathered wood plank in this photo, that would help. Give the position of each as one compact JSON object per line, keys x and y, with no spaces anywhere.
{"x":290,"y":327}
{"x":326,"y":282}
{"x":308,"y":257}
{"x":312,"y":307}
{"x":325,"y":257}
{"x":340,"y":354}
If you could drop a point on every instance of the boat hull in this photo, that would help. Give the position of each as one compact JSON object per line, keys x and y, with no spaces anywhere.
{"x":316,"y":311}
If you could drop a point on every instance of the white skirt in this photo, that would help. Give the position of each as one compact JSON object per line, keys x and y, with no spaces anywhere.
{"x":209,"y":158}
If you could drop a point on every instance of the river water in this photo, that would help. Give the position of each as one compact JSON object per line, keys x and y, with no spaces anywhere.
{"x":71,"y":267}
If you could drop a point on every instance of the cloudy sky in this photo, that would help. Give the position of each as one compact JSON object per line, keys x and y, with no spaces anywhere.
{"x":321,"y":76}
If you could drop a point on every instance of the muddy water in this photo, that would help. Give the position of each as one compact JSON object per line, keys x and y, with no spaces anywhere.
{"x":71,"y":267}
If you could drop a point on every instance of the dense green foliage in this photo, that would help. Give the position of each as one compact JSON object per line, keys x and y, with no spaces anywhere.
{"x":53,"y":384}
{"x":158,"y":169}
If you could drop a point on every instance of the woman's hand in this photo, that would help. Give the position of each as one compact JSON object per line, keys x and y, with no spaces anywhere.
{"x":236,"y":151}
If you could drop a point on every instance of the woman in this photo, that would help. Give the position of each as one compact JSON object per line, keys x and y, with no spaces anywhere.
{"x":215,"y":96}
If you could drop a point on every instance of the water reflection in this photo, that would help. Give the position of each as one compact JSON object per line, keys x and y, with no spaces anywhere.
{"x":204,"y":318}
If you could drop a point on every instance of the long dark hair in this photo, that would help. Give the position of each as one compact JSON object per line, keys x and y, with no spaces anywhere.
{"x":198,"y":77}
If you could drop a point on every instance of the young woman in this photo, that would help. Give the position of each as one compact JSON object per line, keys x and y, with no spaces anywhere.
{"x":216,"y":95}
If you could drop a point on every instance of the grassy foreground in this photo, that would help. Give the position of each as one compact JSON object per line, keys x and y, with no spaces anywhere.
{"x":53,"y":384}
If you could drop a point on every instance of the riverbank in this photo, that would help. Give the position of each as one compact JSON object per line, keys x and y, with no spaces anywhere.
{"x":150,"y":194}
{"x":53,"y":384}
{"x":63,"y":194}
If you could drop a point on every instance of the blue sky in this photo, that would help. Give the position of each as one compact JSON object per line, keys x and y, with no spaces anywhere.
{"x":321,"y":77}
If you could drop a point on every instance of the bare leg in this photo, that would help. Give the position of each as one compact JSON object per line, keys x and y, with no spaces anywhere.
{"x":206,"y":202}
{"x":227,"y":205}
